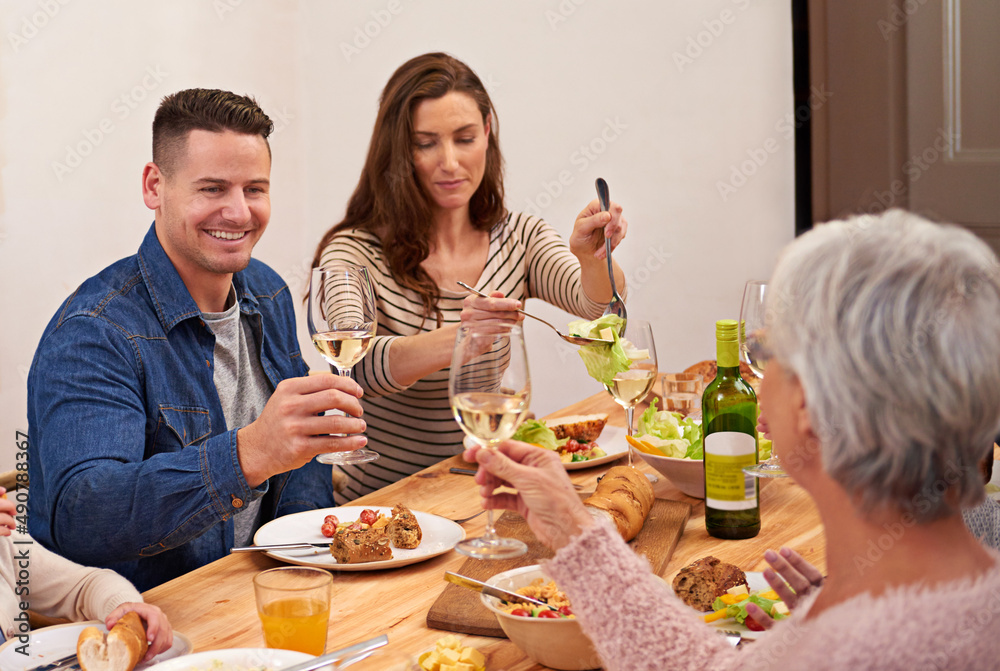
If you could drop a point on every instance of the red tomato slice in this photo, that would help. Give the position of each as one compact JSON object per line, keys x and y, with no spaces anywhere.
{"x":549,"y":614}
{"x":752,"y":624}
{"x":520,"y":612}
{"x":565,"y":610}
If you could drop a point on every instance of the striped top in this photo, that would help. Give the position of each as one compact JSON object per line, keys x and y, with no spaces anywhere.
{"x":412,"y":427}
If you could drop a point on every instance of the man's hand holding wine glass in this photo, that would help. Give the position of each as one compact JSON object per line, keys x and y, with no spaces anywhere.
{"x":292,"y":428}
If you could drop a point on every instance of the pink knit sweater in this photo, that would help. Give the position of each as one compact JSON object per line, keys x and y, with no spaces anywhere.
{"x":636,"y":622}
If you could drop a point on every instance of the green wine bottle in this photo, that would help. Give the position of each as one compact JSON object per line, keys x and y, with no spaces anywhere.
{"x":729,"y":421}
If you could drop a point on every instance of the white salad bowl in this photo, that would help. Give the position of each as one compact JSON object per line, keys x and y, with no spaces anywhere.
{"x":555,"y":643}
{"x":688,"y":475}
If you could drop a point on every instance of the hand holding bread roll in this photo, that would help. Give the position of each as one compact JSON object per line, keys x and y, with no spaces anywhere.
{"x":120,"y":650}
{"x":626,"y":495}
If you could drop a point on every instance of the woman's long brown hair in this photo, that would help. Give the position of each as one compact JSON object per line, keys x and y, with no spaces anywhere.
{"x":388,"y":200}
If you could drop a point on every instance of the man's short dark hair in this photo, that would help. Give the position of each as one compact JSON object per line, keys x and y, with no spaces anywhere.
{"x":203,"y":109}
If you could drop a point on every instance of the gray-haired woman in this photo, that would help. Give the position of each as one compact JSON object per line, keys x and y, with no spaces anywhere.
{"x":881,"y":395}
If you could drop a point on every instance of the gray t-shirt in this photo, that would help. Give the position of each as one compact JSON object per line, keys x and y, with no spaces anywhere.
{"x":242,"y":386}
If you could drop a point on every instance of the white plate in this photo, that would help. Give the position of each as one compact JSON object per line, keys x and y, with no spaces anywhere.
{"x":249,"y":658}
{"x":757,"y":584}
{"x":611,"y":440}
{"x":439,"y":536}
{"x":50,"y":643}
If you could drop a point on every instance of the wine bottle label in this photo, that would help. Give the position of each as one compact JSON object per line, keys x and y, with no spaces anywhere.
{"x":727,"y":487}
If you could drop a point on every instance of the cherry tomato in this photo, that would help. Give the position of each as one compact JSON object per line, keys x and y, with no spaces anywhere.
{"x":331,"y":519}
{"x":752,"y":624}
{"x":565,"y":610}
{"x":368,"y":516}
{"x":549,"y":614}
{"x":520,"y":612}
{"x":329,"y":530}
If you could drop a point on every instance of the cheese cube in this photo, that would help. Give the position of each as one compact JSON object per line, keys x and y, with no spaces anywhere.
{"x":447,"y":667}
{"x":607,"y":334}
{"x":738,"y":590}
{"x":464,"y":666}
{"x":779,"y":609}
{"x":472,"y":656}
{"x":449,"y":656}
{"x":430,"y":661}
{"x":449,"y":642}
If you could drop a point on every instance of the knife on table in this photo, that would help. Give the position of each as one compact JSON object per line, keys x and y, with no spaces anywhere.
{"x":61,"y":663}
{"x":490,"y":590}
{"x":283,"y":546}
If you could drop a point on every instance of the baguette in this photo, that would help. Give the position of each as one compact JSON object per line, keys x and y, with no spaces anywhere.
{"x":625,"y":494}
{"x":120,"y":650}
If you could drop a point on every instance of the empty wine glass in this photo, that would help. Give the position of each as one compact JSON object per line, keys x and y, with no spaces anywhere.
{"x":754,"y":351}
{"x":490,"y":388}
{"x":342,"y":320}
{"x":631,"y":386}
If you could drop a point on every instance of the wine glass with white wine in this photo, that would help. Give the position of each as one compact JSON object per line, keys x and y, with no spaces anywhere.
{"x":754,"y":351}
{"x":490,"y":388}
{"x":630,"y":387}
{"x":342,"y":319}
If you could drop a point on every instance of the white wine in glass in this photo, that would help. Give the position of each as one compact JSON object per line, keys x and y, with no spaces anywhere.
{"x":630,"y":387}
{"x":754,"y":351}
{"x":490,"y":389}
{"x":342,"y":318}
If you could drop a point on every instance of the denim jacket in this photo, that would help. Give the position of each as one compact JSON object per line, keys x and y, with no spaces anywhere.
{"x":130,"y":462}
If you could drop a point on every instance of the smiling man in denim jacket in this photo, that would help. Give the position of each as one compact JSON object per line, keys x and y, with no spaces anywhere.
{"x":169,"y":407}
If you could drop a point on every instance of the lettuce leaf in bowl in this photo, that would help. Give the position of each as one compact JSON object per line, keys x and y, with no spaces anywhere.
{"x":670,"y":432}
{"x":535,"y":432}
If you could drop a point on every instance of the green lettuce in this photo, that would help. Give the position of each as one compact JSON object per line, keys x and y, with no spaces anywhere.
{"x":738,"y":611}
{"x":535,"y":432}
{"x":605,"y":360}
{"x":670,"y":432}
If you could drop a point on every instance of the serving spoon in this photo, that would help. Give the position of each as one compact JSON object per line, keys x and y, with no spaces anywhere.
{"x":617,"y":305}
{"x":576,"y":340}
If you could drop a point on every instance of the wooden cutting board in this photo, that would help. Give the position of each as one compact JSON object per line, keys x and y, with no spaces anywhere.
{"x":460,"y":609}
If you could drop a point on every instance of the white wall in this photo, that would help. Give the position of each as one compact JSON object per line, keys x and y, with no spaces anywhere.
{"x":662,"y":99}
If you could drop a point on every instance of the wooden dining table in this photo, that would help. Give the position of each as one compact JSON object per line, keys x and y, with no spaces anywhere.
{"x":214,"y":605}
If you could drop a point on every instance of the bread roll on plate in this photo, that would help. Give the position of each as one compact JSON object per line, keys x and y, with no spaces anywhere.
{"x":120,"y":650}
{"x":626,"y":496}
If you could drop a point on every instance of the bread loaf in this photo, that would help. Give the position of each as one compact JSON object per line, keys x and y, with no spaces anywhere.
{"x":584,"y":428}
{"x":358,"y":547}
{"x":700,"y":583}
{"x":709,"y":368}
{"x":626,"y":495}
{"x":123,"y":647}
{"x":404,"y":530}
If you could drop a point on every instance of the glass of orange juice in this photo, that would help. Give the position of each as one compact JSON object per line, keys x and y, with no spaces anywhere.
{"x":294,"y":607}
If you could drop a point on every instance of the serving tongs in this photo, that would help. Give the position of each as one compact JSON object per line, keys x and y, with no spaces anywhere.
{"x":490,"y":590}
{"x":617,"y":305}
{"x":576,"y":340}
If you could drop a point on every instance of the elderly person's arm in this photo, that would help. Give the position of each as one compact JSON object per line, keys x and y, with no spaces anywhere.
{"x":630,"y":615}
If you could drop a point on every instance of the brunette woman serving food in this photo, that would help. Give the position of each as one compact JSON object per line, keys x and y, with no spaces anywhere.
{"x":880,"y":394}
{"x":427,"y":213}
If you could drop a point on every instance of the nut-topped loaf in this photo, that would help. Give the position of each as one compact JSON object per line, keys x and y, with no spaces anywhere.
{"x":584,"y":428}
{"x":699,"y":583}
